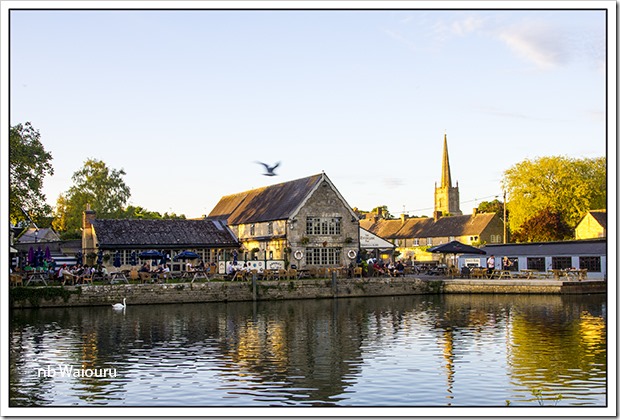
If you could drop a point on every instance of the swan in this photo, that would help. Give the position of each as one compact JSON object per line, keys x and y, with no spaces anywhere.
{"x":119,"y":305}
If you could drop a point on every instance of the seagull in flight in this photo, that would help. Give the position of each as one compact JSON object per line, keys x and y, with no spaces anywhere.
{"x":270,"y":169}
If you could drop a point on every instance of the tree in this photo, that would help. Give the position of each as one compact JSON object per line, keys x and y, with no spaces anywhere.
{"x":547,"y":225}
{"x":494,"y":206}
{"x":567,"y":186}
{"x":137,"y":212}
{"x":29,"y":163}
{"x":102,"y":188}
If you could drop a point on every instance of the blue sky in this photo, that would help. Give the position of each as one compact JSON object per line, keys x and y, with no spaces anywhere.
{"x":186,"y":101}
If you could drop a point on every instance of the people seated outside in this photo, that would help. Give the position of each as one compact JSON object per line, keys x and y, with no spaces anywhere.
{"x":201,"y":266}
{"x":378,"y":269}
{"x":399,"y":269}
{"x":62,"y":271}
{"x":144,"y":268}
{"x":188,"y":267}
{"x":390,"y":268}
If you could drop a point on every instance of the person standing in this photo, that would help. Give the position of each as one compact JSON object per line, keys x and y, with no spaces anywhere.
{"x":490,"y":264}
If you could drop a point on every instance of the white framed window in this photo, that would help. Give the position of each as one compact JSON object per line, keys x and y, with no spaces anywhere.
{"x":323,"y":225}
{"x":323,"y":256}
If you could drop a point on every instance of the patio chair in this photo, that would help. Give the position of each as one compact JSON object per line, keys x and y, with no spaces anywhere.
{"x":16,"y":280}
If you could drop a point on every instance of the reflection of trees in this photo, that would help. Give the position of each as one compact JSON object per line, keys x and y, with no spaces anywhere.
{"x":574,"y":329}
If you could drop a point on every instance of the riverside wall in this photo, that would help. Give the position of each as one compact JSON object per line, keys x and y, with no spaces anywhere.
{"x":217,"y":291}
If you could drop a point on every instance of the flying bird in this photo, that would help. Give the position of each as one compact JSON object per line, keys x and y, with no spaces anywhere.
{"x":270,"y":169}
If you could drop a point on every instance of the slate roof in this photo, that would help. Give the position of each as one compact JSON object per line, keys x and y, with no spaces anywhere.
{"x":429,"y":228}
{"x":274,"y":202}
{"x":167,"y":233}
{"x":592,"y":247}
{"x":601,"y":217}
{"x":43,"y":235}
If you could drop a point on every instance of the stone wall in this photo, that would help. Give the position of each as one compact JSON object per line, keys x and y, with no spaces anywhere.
{"x":144,"y":294}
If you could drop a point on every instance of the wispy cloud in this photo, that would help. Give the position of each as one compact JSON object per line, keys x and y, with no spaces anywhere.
{"x":539,"y":43}
{"x":545,"y":43}
{"x":393,"y":182}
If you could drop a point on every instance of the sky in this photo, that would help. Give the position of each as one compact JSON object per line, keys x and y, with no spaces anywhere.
{"x":186,"y":101}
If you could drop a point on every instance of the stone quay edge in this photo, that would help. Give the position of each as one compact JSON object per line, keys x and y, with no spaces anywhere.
{"x":217,"y":291}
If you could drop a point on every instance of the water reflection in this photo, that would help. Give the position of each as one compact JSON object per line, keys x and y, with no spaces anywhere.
{"x":462,"y":350}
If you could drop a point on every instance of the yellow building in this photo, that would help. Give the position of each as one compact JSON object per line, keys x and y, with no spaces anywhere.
{"x":593,"y":225}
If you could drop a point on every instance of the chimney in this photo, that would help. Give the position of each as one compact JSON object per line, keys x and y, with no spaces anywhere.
{"x":88,"y":217}
{"x":403,"y":217}
{"x":437,"y":215}
{"x":474,"y":211}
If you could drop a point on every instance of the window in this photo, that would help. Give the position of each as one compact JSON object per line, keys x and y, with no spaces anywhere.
{"x":323,"y":225}
{"x":561,"y":263}
{"x":252,"y":229}
{"x":592,"y":264}
{"x":495,"y":239}
{"x":270,"y":228}
{"x":536,"y":263}
{"x":323,"y":256}
{"x":429,"y":241}
{"x":416,"y":242}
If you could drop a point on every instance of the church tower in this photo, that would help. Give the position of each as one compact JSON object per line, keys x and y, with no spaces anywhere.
{"x":447,"y":197}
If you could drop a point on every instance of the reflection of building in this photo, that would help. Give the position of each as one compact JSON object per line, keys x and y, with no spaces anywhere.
{"x":305,"y":221}
{"x":593,"y":225}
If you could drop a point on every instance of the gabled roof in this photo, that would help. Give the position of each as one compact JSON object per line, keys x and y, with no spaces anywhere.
{"x":600,"y":216}
{"x":42,"y":235}
{"x":167,"y":233}
{"x":429,"y":228}
{"x":274,"y":202}
{"x":472,"y":224}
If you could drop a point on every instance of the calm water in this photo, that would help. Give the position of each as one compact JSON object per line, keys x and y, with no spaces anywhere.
{"x":456,"y":350}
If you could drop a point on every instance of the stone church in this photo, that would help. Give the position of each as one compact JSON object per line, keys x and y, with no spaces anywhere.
{"x":447,"y":199}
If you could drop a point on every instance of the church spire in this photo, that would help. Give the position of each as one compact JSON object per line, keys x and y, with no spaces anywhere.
{"x":446,"y":180}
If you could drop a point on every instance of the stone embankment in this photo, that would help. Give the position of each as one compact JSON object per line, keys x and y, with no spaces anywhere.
{"x":218,"y":291}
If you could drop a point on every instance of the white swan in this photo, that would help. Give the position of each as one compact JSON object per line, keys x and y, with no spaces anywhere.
{"x":119,"y":305}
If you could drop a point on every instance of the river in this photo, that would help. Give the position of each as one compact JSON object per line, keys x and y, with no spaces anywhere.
{"x":405,"y":351}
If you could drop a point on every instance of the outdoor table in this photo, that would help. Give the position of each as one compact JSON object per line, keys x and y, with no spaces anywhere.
{"x":118,"y":275}
{"x":502,"y":274}
{"x":37,"y":276}
{"x":573,"y":274}
{"x":200,"y":274}
{"x":528,"y":274}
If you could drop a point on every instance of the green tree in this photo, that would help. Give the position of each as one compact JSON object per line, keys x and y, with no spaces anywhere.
{"x":547,"y":225}
{"x":567,"y":186}
{"x":138,"y":212}
{"x":29,"y":163}
{"x":494,"y":206}
{"x":96,"y":185}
